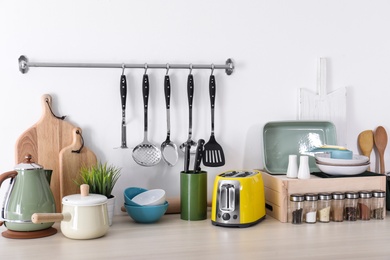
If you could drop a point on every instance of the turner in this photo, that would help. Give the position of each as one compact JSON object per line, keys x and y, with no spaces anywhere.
{"x":213,"y":155}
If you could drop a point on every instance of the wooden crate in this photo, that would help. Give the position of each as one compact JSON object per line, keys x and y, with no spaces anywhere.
{"x":278,"y":188}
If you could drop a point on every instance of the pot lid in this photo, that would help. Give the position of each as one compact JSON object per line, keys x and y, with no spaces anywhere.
{"x":28,"y":164}
{"x":84,"y":198}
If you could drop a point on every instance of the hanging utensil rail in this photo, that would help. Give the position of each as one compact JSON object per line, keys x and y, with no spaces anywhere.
{"x":25,"y":64}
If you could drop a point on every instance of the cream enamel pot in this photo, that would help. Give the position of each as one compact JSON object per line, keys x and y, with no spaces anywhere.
{"x":84,"y":216}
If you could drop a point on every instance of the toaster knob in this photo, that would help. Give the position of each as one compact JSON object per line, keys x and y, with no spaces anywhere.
{"x":226,"y":216}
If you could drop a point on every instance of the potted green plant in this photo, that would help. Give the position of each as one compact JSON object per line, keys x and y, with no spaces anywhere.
{"x":101,"y":179}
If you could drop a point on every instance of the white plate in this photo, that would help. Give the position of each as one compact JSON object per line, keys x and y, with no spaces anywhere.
{"x":356,"y":159}
{"x":342,"y":170}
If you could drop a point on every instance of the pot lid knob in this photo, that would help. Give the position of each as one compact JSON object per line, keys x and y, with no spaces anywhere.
{"x":84,"y":190}
{"x":28,"y":164}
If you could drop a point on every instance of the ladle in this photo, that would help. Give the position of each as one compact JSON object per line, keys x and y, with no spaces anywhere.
{"x":380,"y":139}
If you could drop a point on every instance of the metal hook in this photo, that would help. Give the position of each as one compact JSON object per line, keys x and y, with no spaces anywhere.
{"x":167,"y":68}
{"x":123,"y":69}
{"x":146,"y":68}
{"x":212,"y":68}
{"x":191,"y":68}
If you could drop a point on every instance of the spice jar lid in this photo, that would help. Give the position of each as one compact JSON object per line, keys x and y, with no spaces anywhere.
{"x":378,"y":193}
{"x":297,"y":197}
{"x":311,"y":197}
{"x":365,"y":194}
{"x":351,"y":195}
{"x":324,"y":196}
{"x":338,"y":195}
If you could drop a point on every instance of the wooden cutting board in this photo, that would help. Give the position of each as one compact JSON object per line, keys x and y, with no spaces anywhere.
{"x":325,"y":106}
{"x":71,"y":163}
{"x":44,"y":141}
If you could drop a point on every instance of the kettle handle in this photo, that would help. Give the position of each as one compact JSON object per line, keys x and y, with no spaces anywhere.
{"x":6,"y":175}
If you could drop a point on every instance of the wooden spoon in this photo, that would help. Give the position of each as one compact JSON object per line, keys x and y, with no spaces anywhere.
{"x":380,"y":138}
{"x":366,"y":143}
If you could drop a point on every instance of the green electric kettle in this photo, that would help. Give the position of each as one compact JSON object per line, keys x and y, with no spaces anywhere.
{"x":28,"y":192}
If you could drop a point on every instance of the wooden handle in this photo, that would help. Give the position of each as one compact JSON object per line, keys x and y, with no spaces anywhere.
{"x":84,"y":190}
{"x":38,"y":218}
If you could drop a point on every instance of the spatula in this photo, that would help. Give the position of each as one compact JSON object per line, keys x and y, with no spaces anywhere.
{"x":366,"y":143}
{"x":213,"y":155}
{"x":380,"y":139}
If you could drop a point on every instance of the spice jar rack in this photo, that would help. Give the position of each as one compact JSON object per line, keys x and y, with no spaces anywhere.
{"x":278,"y":189}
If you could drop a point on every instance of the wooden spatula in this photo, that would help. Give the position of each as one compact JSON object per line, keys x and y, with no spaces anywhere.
{"x":366,"y":143}
{"x":380,"y":139}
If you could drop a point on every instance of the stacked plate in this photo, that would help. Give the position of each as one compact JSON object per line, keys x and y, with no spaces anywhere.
{"x":338,"y":167}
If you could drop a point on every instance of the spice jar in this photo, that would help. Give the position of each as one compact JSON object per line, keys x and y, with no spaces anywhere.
{"x":295,"y":215}
{"x":350,"y":209}
{"x":310,"y":208}
{"x":323,"y":207}
{"x":337,"y":206}
{"x":378,"y":204}
{"x":364,"y":205}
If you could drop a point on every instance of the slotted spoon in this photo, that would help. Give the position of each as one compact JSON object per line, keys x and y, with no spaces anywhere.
{"x":213,"y":155}
{"x":146,"y":154}
{"x":168,"y":148}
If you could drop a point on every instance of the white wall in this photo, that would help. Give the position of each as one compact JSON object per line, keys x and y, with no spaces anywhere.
{"x":275,"y":46}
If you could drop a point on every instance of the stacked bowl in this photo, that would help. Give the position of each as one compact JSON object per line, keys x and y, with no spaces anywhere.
{"x":145,"y":206}
{"x":342,"y":167}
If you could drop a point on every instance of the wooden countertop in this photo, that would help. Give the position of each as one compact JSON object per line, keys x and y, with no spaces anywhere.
{"x":173,"y":238}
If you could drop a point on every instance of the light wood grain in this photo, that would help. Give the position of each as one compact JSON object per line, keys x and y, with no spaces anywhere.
{"x":44,"y":141}
{"x":70,"y":164}
{"x":173,"y":238}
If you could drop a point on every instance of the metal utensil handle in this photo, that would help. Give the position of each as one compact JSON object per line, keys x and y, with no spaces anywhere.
{"x":167,"y":92}
{"x":123,"y":92}
{"x":145,"y":93}
{"x":190,"y":93}
{"x":212,"y":90}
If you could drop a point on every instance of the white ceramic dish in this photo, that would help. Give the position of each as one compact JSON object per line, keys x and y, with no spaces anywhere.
{"x":356,"y":159}
{"x":338,"y":170}
{"x":150,"y":197}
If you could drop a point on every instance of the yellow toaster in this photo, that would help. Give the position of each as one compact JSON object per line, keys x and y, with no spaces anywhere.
{"x":238,"y":199}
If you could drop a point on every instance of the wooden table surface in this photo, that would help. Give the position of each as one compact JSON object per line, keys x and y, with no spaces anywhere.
{"x":173,"y":238}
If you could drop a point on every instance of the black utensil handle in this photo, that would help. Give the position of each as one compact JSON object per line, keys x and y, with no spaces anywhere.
{"x":190,"y":89}
{"x":145,"y":93}
{"x":198,"y":155}
{"x":190,"y":93}
{"x":212,"y":91}
{"x":123,"y":89}
{"x":167,"y":91}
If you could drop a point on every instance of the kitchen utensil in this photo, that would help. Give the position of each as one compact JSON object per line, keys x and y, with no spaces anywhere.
{"x":282,"y":138}
{"x":191,"y":144}
{"x":366,"y":143}
{"x":146,"y":214}
{"x":72,"y":159}
{"x":150,"y":197}
{"x":238,"y":199}
{"x":198,"y":156}
{"x":29,"y":191}
{"x":146,"y":154}
{"x":84,"y":215}
{"x":380,"y":140}
{"x":213,"y":152}
{"x":168,"y":148}
{"x":187,"y":157}
{"x":193,"y":195}
{"x":342,"y":170}
{"x":130,"y":193}
{"x":43,"y":141}
{"x":325,"y":106}
{"x":123,"y":92}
